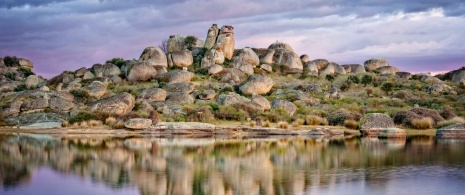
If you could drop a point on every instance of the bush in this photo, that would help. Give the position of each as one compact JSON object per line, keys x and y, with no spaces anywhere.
{"x":202,"y":114}
{"x":351,"y":124}
{"x":354,"y":79}
{"x":230,"y":113}
{"x":366,"y":79}
{"x":110,"y":121}
{"x":267,"y":124}
{"x":423,"y":123}
{"x":11,"y":61}
{"x":387,"y":87}
{"x":448,"y":113}
{"x":21,"y":87}
{"x":282,"y":125}
{"x":338,"y":117}
{"x":275,"y":115}
{"x":315,"y":120}
{"x":82,"y":116}
{"x":117,"y":61}
{"x":26,"y":71}
{"x":252,"y":123}
{"x":10,"y":75}
{"x":329,"y":77}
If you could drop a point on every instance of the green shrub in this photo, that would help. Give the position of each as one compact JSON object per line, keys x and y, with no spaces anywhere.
{"x":338,"y":117}
{"x":82,"y":116}
{"x":366,"y":80}
{"x":387,"y":87}
{"x":351,"y":124}
{"x":10,"y":75}
{"x":329,"y":77}
{"x":354,"y":79}
{"x":117,"y":61}
{"x":275,"y":115}
{"x":21,"y":87}
{"x":11,"y":61}
{"x":230,"y":113}
{"x":26,"y":71}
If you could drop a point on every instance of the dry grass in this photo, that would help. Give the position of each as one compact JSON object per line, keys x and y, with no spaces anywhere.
{"x":298,"y":122}
{"x":267,"y":123}
{"x":118,"y":125}
{"x":110,"y":121}
{"x":450,"y":122}
{"x":84,"y":124}
{"x":252,"y":123}
{"x":423,"y":123}
{"x":315,"y":120}
{"x":95,"y":123}
{"x":283,"y":125}
{"x":65,"y":124}
{"x":351,"y":124}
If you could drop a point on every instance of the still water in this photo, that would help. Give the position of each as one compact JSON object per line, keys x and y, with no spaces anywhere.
{"x":42,"y":164}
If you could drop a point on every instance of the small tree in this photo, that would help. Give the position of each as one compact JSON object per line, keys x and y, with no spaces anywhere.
{"x":354,"y":79}
{"x":330,"y":78}
{"x":164,"y":45}
{"x":387,"y":87}
{"x":366,"y":79}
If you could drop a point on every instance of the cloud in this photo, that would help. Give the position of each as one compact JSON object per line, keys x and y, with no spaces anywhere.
{"x":67,"y":35}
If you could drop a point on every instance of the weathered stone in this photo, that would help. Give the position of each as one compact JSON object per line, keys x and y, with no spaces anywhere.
{"x":451,"y":131}
{"x":116,"y":79}
{"x":375,"y":123}
{"x":181,"y":58}
{"x":215,"y":69}
{"x":249,"y":56}
{"x":261,"y":101}
{"x":375,"y":63}
{"x":180,"y":98}
{"x":118,"y":104}
{"x":153,"y":94}
{"x":178,"y":76}
{"x":88,"y":75}
{"x":60,"y":104}
{"x":257,"y":84}
{"x":13,"y":110}
{"x":97,"y":89}
{"x":138,"y":123}
{"x":80,"y":72}
{"x":309,"y":88}
{"x":32,"y":81}
{"x":391,"y":70}
{"x":288,"y":106}
{"x":185,"y":127}
{"x":34,"y":104}
{"x":354,"y":68}
{"x":281,"y":46}
{"x":65,"y":95}
{"x":230,"y":99}
{"x":304,"y":58}
{"x":226,"y":41}
{"x":244,"y":67}
{"x":266,"y":67}
{"x":141,"y":72}
{"x":392,"y":133}
{"x":268,"y":57}
{"x":185,"y":87}
{"x":333,"y":68}
{"x":212,"y":34}
{"x":207,"y":94}
{"x":403,"y":75}
{"x":39,"y":120}
{"x":212,"y":57}
{"x":289,"y":59}
{"x":320,"y":63}
{"x":62,"y":78}
{"x":436,"y":88}
{"x":25,"y":63}
{"x":154,"y":56}
{"x":311,"y":67}
{"x":110,"y":70}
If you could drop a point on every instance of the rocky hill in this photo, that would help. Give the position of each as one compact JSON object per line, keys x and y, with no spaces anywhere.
{"x":211,"y":80}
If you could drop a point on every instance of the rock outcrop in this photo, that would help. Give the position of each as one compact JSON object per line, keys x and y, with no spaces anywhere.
{"x":138,"y":123}
{"x":212,"y":35}
{"x":141,"y":72}
{"x":154,"y":56}
{"x":375,"y":123}
{"x":182,"y":58}
{"x":375,"y":63}
{"x":118,"y":104}
{"x":451,"y":131}
{"x":288,"y":106}
{"x":153,"y":95}
{"x":354,"y":68}
{"x":225,"y":41}
{"x":257,"y":84}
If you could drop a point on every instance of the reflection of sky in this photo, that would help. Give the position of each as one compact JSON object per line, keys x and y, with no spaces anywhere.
{"x":46,"y":181}
{"x":415,"y":180}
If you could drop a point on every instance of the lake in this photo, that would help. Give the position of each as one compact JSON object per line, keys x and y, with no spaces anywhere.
{"x":96,"y":164}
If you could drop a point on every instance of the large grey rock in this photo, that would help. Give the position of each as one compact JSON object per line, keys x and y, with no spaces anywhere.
{"x":436,"y":88}
{"x":182,"y":58}
{"x":281,"y":46}
{"x":249,"y":56}
{"x":212,"y":57}
{"x":88,"y":75}
{"x":207,"y":94}
{"x":230,"y":99}
{"x":42,"y":120}
{"x":288,"y":106}
{"x":257,"y":84}
{"x":138,"y":123}
{"x":185,"y":127}
{"x":34,"y":104}
{"x":304,"y":58}
{"x":13,"y":109}
{"x":451,"y":131}
{"x":180,"y":98}
{"x":289,"y":59}
{"x":80,"y":72}
{"x":268,"y":57}
{"x":354,"y":68}
{"x":153,"y":94}
{"x":154,"y":56}
{"x":375,"y":63}
{"x":261,"y":101}
{"x":390,"y":70}
{"x":178,"y":76}
{"x":110,"y":70}
{"x":32,"y":81}
{"x":266,"y":67}
{"x":215,"y":69}
{"x":333,"y":68}
{"x":118,"y":104}
{"x":320,"y":63}
{"x":23,"y":62}
{"x":225,"y":41}
{"x":97,"y":89}
{"x":212,"y":35}
{"x":244,"y":67}
{"x":58,"y":104}
{"x":404,"y":75}
{"x":142,"y":72}
{"x":311,"y":67}
{"x":185,"y":87}
{"x":375,"y":123}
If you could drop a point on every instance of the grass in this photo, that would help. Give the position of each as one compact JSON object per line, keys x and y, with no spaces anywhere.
{"x":282,"y":125}
{"x":450,"y":122}
{"x":423,"y":123}
{"x":351,"y":124}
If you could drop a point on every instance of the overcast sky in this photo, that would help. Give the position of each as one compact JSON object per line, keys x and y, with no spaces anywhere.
{"x":414,"y":35}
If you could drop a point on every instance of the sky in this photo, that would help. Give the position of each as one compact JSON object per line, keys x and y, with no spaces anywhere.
{"x":413,"y":35}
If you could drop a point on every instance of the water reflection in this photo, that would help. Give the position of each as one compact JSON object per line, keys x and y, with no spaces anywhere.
{"x":222,"y":166}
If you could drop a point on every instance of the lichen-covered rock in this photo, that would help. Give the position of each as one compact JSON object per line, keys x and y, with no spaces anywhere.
{"x":230,"y":99}
{"x":249,"y":56}
{"x":288,"y":106}
{"x":244,"y":67}
{"x":451,"y":131}
{"x":185,"y":87}
{"x":391,"y":70}
{"x":212,"y":34}
{"x":39,"y":120}
{"x":32,"y":81}
{"x":320,"y":63}
{"x":182,"y":58}
{"x":225,"y":41}
{"x":118,"y":104}
{"x":180,"y":98}
{"x":153,"y":94}
{"x":207,"y":94}
{"x":311,"y":67}
{"x":141,"y":72}
{"x":154,"y":56}
{"x":281,"y":46}
{"x":354,"y":68}
{"x":257,"y":84}
{"x":58,"y":104}
{"x":375,"y":63}
{"x":375,"y":123}
{"x":267,"y":58}
{"x":138,"y":123}
{"x":88,"y":75}
{"x":23,"y":62}
{"x":97,"y":89}
{"x":261,"y":101}
{"x":289,"y":59}
{"x":333,"y":68}
{"x":215,"y":69}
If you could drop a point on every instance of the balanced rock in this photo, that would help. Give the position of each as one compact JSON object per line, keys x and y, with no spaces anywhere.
{"x":154,"y":56}
{"x":375,"y":63}
{"x":138,"y":123}
{"x":249,"y":56}
{"x":182,"y":58}
{"x":118,"y":104}
{"x":225,"y":41}
{"x":212,"y":35}
{"x":257,"y":84}
{"x":287,"y":106}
